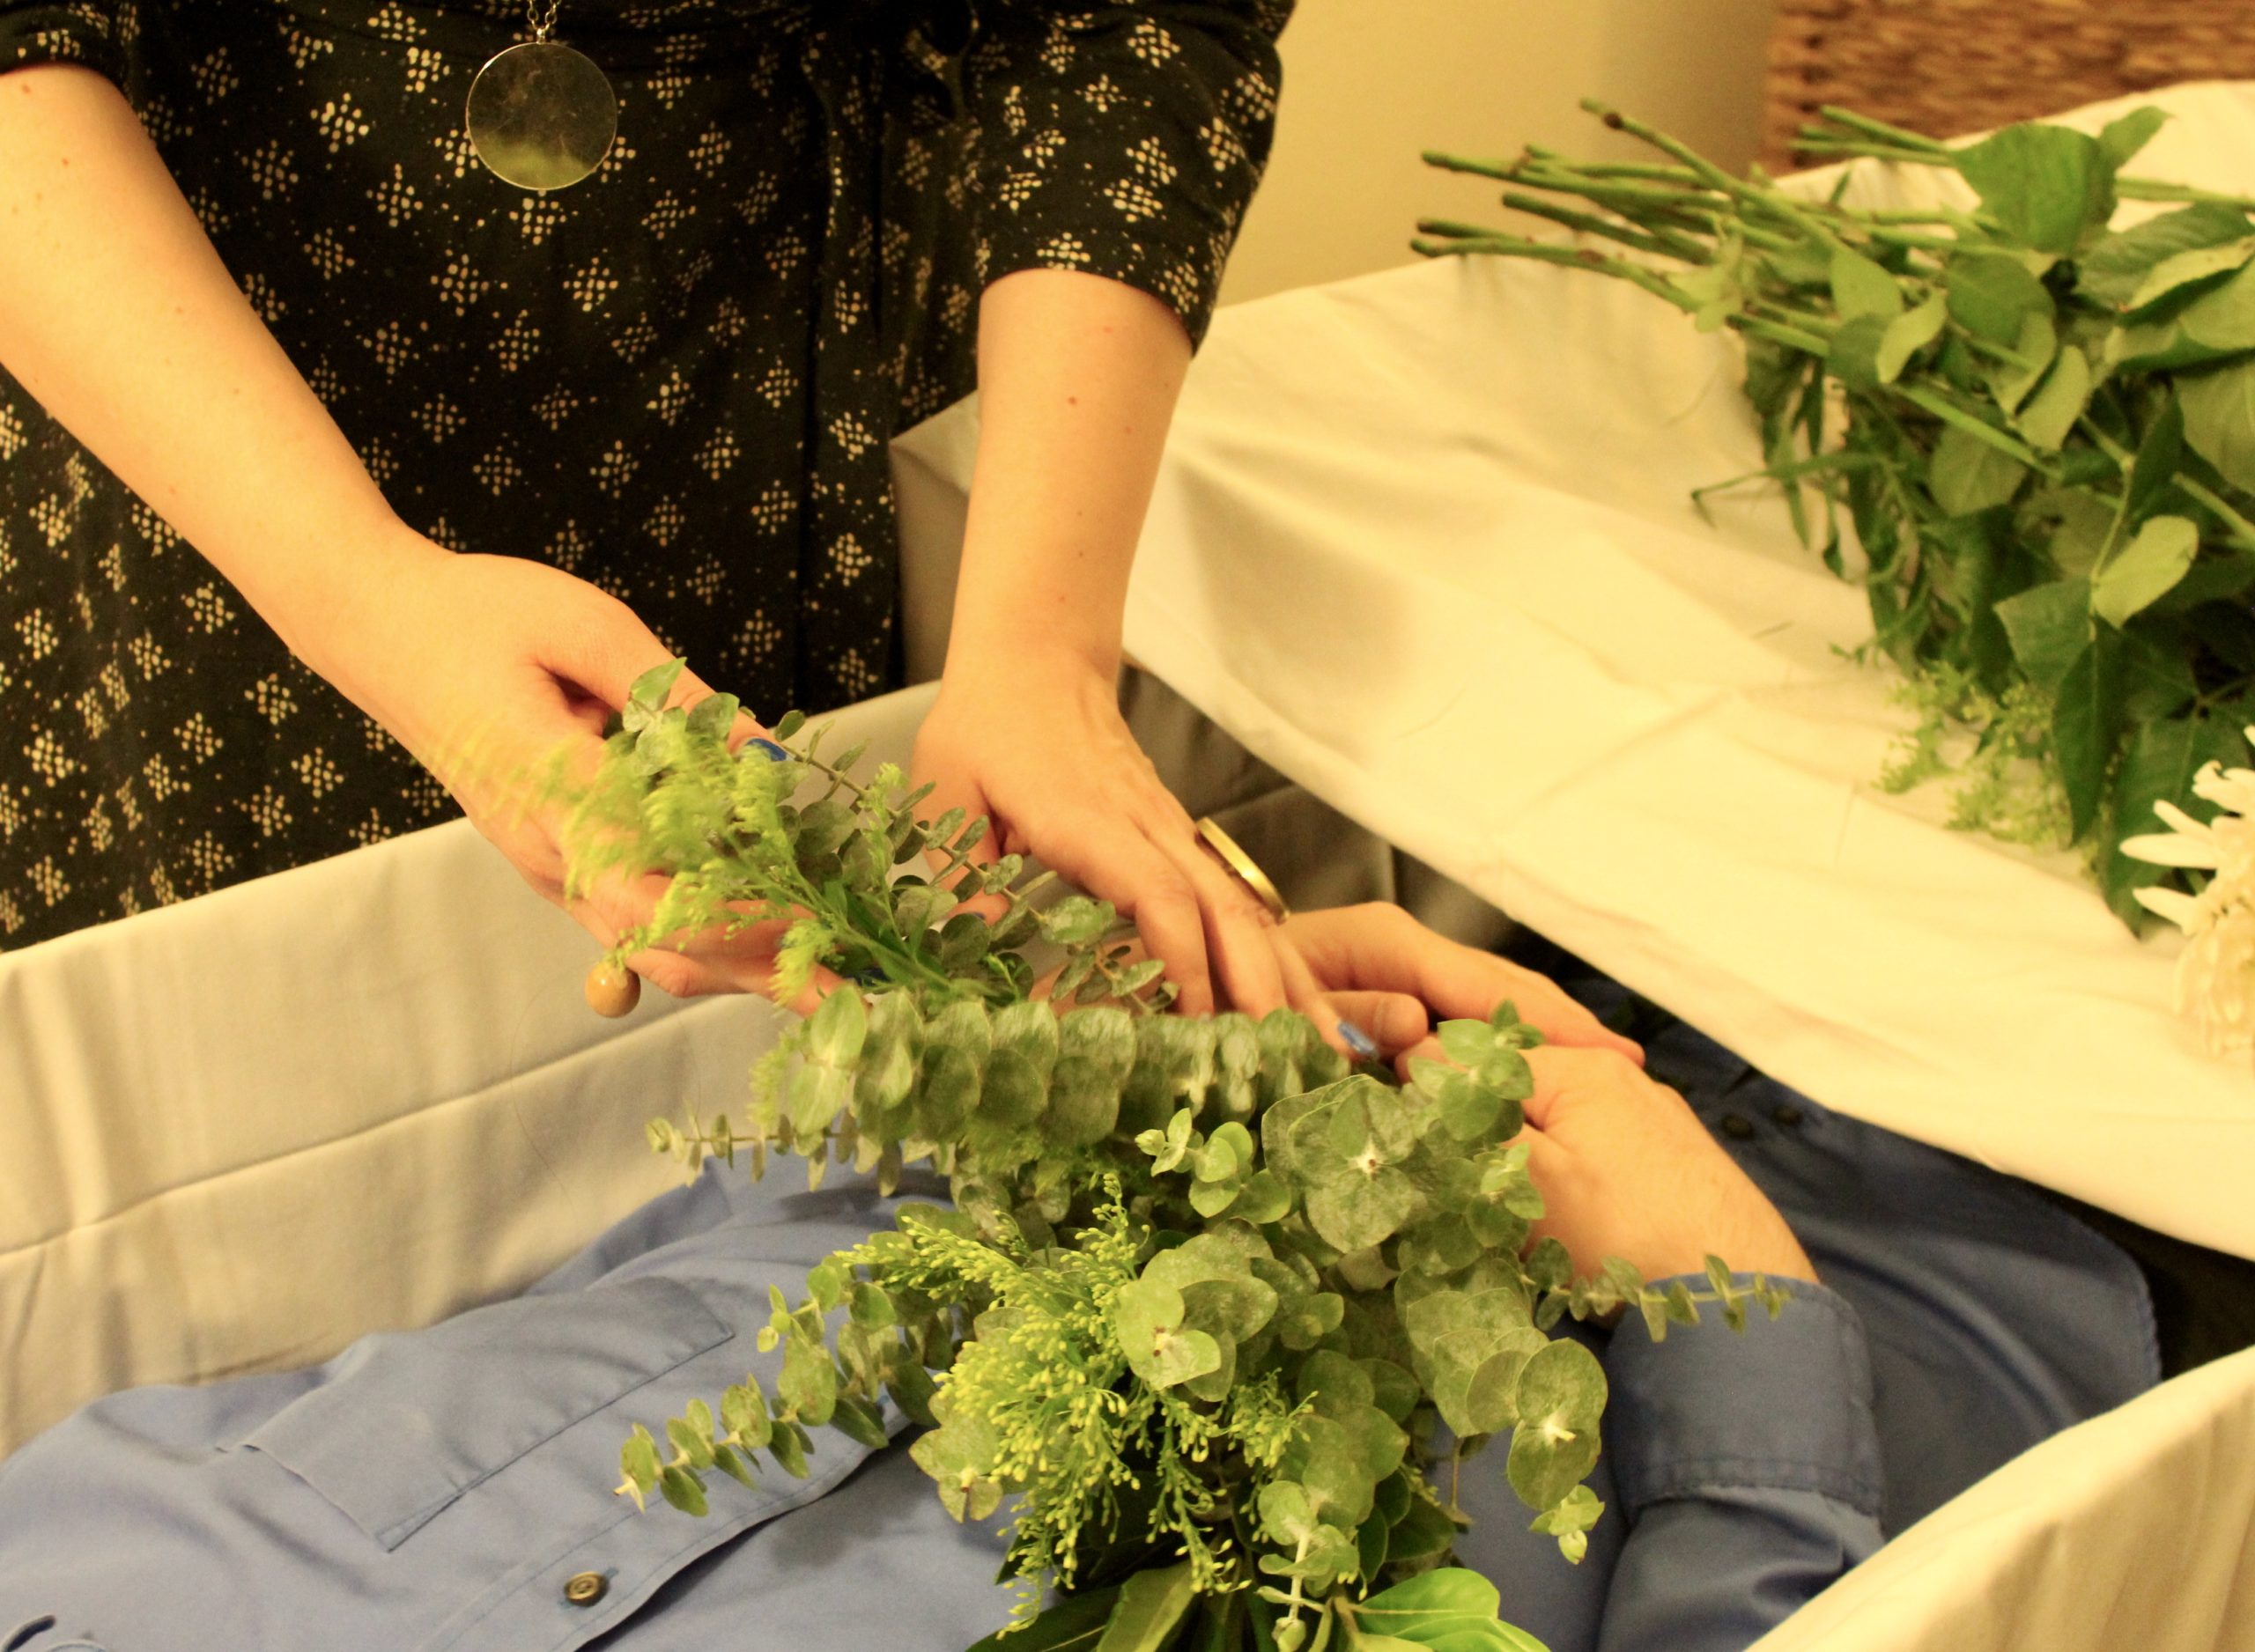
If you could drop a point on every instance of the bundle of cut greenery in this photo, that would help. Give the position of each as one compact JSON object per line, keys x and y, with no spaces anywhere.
{"x":1221,"y":1315}
{"x":2044,"y":439}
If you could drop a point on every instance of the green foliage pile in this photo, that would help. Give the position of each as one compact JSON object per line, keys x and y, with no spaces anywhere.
{"x":1209,"y":1311}
{"x":2042,"y":429}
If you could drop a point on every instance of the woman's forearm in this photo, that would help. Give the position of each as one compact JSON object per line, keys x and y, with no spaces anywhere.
{"x":117,"y":315}
{"x":1078,"y":380}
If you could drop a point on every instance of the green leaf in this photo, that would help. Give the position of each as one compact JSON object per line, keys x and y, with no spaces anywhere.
{"x":1467,"y":1043}
{"x":820,"y":1093}
{"x":958,"y":1456}
{"x":2173,"y":277}
{"x":1287,"y":1513}
{"x":2158,"y":765}
{"x":684,"y":1491}
{"x":2112,"y":269}
{"x":743,"y":1413}
{"x":1425,"y":1532}
{"x":2212,"y":579}
{"x":1147,"y":1317}
{"x":2161,"y":452}
{"x":1076,"y":921}
{"x":2046,"y":185}
{"x":2049,"y":626}
{"x":1357,"y":1211}
{"x":1555,"y":1444}
{"x":692,"y":1443}
{"x":649,"y":690}
{"x":2086,"y":725}
{"x":1862,"y":287}
{"x":2224,"y":319}
{"x":638,"y":1460}
{"x":1264,"y":1198}
{"x":1907,"y":334}
{"x":2123,"y":138}
{"x":1083,"y":1103}
{"x":2047,"y":416}
{"x":1853,"y":357}
{"x":737,"y":1467}
{"x":1071,"y":1625}
{"x":1967,"y":475}
{"x":1432,"y":1602}
{"x":712,"y":717}
{"x":2220,"y":420}
{"x":859,"y":1421}
{"x":2010,"y":382}
{"x":2145,"y":569}
{"x":1993,"y":295}
{"x":834,"y":1033}
{"x":2160,"y":347}
{"x":807,"y":1382}
{"x":788,"y":1447}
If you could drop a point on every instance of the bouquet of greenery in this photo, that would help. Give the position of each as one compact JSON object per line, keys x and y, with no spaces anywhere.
{"x":1220,"y":1314}
{"x":2043,"y":430}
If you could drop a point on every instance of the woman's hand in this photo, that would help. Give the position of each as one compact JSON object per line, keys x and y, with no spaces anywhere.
{"x":1391,"y":976}
{"x":1037,"y":745}
{"x":489,"y":669}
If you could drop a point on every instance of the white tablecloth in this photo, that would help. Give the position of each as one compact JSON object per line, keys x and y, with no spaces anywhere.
{"x":1423,"y":540}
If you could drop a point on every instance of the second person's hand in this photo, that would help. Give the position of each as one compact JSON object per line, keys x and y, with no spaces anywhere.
{"x":1627,"y":1170}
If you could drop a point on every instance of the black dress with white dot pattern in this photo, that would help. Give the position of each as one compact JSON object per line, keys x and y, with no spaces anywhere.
{"x":675,"y":379}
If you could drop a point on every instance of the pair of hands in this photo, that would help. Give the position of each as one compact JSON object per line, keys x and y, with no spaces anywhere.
{"x":1625,"y":1167}
{"x":486,"y":666}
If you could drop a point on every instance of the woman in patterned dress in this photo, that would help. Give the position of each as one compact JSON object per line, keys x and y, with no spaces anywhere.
{"x":454,"y":454}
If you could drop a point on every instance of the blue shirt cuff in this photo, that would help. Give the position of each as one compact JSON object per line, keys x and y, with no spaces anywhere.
{"x":1786,"y":1404}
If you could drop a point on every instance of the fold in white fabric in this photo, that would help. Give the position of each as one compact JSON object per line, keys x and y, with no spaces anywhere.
{"x":1424,"y":542}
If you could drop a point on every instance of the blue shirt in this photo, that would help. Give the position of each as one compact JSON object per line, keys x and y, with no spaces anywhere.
{"x":438,"y":1489}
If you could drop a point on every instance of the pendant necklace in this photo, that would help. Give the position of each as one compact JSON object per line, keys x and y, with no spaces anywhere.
{"x":541,"y":115}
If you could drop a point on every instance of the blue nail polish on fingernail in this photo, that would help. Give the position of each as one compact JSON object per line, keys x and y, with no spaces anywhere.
{"x":1358,"y":1041}
{"x":775,"y":753}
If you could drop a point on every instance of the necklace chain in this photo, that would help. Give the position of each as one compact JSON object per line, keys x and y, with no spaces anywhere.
{"x":541,"y":17}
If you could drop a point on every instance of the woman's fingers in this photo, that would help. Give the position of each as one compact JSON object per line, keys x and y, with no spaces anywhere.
{"x":1118,"y":863}
{"x":1306,"y":994}
{"x":1242,"y":956}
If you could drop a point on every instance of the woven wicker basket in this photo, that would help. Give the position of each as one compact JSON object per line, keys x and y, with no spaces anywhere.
{"x":1945,"y":67}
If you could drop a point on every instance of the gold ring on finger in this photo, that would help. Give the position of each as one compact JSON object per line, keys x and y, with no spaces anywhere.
{"x":1244,"y":866}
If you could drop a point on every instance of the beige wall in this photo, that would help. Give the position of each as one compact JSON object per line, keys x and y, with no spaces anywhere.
{"x":1370,"y":84}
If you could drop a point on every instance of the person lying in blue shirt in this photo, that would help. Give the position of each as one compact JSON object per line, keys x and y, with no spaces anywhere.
{"x":449,"y":1488}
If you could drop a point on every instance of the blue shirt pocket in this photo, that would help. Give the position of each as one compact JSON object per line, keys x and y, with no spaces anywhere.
{"x":403,"y":1423}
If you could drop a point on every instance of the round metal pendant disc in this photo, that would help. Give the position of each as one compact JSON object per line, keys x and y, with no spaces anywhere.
{"x":542,"y":115}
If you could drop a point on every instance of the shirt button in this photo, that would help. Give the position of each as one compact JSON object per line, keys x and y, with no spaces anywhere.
{"x":1788,"y":1114}
{"x":587,"y":1588}
{"x":1736,"y":1126}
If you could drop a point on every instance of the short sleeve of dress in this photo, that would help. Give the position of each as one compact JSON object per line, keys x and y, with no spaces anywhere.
{"x":1124,"y":140}
{"x":80,"y":33}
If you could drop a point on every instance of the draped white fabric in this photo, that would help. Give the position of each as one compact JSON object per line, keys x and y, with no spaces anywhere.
{"x":1424,"y":542}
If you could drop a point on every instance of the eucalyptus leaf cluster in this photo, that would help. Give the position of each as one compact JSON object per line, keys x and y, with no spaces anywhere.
{"x":2041,"y":429}
{"x":1212,"y":1317}
{"x":775,"y":831}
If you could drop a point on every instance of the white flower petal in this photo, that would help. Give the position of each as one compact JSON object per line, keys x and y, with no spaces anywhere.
{"x":2178,"y":821}
{"x":2233,"y":788}
{"x":2178,"y":908}
{"x":2170,"y":849}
